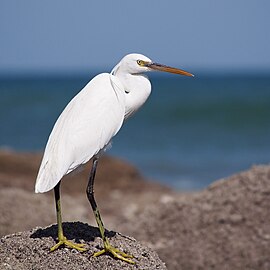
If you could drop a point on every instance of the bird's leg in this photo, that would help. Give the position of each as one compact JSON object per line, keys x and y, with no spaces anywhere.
{"x":108,"y":248}
{"x":62,"y":240}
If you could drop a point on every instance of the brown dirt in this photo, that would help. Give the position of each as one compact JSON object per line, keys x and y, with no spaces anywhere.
{"x":226,"y":226}
{"x":30,"y":250}
{"x":120,"y":191}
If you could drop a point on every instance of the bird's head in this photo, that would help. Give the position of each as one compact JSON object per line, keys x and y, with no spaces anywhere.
{"x":135,"y":63}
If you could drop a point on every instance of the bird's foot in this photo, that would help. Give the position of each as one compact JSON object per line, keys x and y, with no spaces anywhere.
{"x":108,"y":248}
{"x":63,"y":241}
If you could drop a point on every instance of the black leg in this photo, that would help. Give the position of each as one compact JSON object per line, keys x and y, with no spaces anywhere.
{"x":91,"y":198}
{"x":90,"y":186}
{"x":107,"y":246}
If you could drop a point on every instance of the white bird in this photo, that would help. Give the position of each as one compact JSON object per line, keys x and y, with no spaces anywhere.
{"x":86,"y":127}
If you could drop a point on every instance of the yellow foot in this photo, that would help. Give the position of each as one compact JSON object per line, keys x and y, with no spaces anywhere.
{"x":108,"y":248}
{"x":64,"y":241}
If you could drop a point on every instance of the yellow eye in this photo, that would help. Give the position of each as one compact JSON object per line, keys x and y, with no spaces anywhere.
{"x":140,"y":62}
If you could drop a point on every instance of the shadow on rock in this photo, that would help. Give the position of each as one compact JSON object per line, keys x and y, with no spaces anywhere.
{"x":72,"y":230}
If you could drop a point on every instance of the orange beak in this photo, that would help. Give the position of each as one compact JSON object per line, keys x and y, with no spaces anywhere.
{"x":160,"y":67}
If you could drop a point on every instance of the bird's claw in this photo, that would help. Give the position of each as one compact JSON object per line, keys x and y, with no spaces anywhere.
{"x":68,"y":243}
{"x":108,"y":248}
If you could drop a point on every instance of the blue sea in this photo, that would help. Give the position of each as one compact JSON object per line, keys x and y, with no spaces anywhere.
{"x":189,"y":133}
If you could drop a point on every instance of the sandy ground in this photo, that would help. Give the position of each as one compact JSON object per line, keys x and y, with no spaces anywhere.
{"x":30,"y":250}
{"x":226,"y":226}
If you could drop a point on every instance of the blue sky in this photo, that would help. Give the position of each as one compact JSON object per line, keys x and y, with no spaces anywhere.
{"x":64,"y":35}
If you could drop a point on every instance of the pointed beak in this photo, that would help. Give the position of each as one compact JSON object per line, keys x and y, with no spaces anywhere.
{"x":160,"y":67}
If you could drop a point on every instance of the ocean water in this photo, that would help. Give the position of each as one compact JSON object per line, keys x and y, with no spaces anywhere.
{"x":190,"y":132}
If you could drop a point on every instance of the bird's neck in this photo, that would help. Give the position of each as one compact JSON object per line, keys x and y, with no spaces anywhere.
{"x":137,"y":90}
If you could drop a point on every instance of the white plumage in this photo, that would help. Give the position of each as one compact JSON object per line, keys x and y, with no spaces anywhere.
{"x":91,"y":119}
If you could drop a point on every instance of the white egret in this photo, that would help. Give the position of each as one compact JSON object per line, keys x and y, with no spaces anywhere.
{"x":87,"y":125}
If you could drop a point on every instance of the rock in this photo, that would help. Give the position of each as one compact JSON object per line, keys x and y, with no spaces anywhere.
{"x":226,"y":226}
{"x":30,"y":250}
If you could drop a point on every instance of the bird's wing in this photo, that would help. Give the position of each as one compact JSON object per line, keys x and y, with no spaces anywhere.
{"x":86,"y":126}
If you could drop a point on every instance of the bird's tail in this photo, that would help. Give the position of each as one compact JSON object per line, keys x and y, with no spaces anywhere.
{"x":46,"y":178}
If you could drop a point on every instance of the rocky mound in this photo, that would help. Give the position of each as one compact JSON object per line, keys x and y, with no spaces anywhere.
{"x":30,"y":250}
{"x":226,"y":226}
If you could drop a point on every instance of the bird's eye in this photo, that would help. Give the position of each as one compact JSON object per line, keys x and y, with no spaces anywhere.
{"x":140,"y":62}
